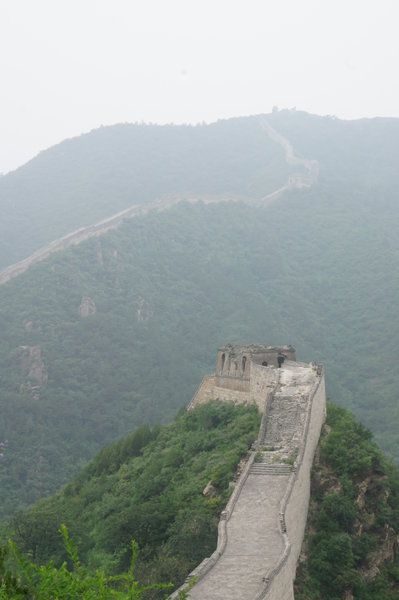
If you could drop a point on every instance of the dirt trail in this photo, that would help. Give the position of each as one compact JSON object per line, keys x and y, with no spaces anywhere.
{"x":295,"y":181}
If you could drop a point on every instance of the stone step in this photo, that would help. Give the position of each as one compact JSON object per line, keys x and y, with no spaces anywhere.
{"x":279,"y":466}
{"x":268,"y":469}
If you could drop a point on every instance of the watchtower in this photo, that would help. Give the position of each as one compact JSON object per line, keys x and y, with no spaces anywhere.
{"x":244,"y":374}
{"x":234,"y":361}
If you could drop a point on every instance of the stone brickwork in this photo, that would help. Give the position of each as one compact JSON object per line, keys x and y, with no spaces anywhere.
{"x":262,"y":382}
{"x":261,"y":530}
{"x":209,"y":390}
{"x":244,"y":375}
{"x":235,"y":361}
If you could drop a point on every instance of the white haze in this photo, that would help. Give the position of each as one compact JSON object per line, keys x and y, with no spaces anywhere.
{"x":68,"y":66}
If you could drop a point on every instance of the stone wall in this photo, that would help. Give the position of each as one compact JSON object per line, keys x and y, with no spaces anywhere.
{"x":204,"y":393}
{"x":234,"y":361}
{"x":210,"y":390}
{"x":263,"y":380}
{"x":240,"y":384}
{"x":294,"y":508}
{"x":298,"y":502}
{"x":253,"y":390}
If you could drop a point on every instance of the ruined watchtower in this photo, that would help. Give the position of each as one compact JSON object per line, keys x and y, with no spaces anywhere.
{"x":244,"y":374}
{"x":235,"y":361}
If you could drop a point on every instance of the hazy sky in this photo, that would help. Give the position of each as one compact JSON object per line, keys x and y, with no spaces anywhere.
{"x":68,"y":66}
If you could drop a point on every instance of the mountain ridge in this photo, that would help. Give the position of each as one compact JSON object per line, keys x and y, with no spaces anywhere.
{"x":120,"y":319}
{"x":294,"y":181}
{"x":86,"y":179}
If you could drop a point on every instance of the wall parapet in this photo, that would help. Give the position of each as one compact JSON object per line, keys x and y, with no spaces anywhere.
{"x":265,"y":415}
{"x":269,"y":578}
{"x":205,"y":379}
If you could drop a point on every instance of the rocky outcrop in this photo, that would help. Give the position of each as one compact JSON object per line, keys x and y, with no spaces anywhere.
{"x":385,"y":555}
{"x":33,"y":369}
{"x":87,"y":307}
{"x":28,"y":325}
{"x":209,"y":491}
{"x":32,"y":365}
{"x":143,"y":313}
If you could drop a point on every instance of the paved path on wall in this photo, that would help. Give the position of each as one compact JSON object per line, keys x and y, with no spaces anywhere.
{"x":254,"y":544}
{"x":311,"y":166}
{"x":80,"y":235}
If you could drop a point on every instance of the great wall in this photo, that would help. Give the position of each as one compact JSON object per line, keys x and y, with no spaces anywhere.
{"x":261,"y":529}
{"x":304,"y":178}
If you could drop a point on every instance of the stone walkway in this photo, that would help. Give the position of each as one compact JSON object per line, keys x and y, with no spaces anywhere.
{"x":254,"y":542}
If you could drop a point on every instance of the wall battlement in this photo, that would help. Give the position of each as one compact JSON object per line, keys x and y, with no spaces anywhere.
{"x":234,"y":361}
{"x":244,"y":374}
{"x":262,"y":527}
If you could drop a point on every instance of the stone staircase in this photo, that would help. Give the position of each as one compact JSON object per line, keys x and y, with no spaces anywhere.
{"x":264,"y":468}
{"x":285,"y":423}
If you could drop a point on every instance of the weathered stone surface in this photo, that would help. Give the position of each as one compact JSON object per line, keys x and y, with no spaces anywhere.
{"x":33,"y":369}
{"x":87,"y":307}
{"x":209,"y":490}
{"x":143,"y":312}
{"x":28,"y":325}
{"x":32,"y":365}
{"x":254,"y":543}
{"x":385,"y":555}
{"x":363,"y":487}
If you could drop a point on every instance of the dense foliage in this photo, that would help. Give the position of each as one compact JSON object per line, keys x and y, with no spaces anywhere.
{"x":147,"y":486}
{"x":25,"y":579}
{"x":150,"y":484}
{"x":350,"y":549}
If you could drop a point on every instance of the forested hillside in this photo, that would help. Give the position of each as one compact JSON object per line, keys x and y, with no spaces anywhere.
{"x":120,"y":330}
{"x":350,"y":547}
{"x":84,"y":179}
{"x":152,"y":486}
{"x":362,"y":153}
